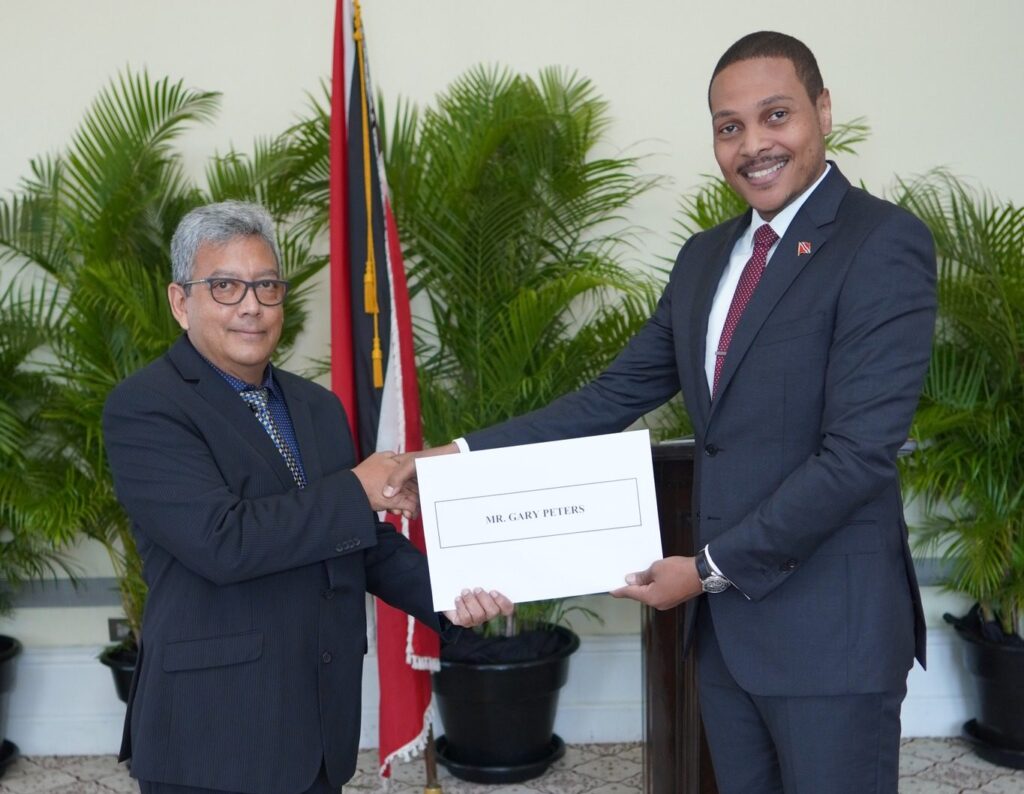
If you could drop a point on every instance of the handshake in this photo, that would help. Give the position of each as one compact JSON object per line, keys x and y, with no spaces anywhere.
{"x":389,"y":480}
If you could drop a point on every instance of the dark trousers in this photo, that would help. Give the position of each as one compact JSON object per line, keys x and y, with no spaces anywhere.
{"x":320,"y":786}
{"x":846,"y":744}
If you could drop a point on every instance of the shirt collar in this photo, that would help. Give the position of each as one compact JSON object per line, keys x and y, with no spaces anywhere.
{"x":780,"y":223}
{"x":238,"y":384}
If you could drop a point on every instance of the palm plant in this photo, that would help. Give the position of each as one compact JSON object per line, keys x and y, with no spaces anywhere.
{"x":84,"y":243}
{"x":24,"y":554}
{"x":514,"y":240}
{"x":971,"y":416}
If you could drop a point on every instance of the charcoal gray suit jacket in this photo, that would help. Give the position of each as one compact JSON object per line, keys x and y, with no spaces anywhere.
{"x":255,"y":628}
{"x":796,"y":488}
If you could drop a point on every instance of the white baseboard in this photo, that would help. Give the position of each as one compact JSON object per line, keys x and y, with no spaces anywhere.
{"x":63,"y":702}
{"x":942,"y":699}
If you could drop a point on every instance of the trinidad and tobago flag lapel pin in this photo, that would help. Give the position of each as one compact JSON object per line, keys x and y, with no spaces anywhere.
{"x":803,"y":248}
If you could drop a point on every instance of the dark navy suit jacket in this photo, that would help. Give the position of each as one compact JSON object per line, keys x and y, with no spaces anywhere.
{"x":796,"y":488}
{"x":255,"y":627}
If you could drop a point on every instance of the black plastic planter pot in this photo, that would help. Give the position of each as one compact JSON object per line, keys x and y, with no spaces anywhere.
{"x":121,"y":662}
{"x":499,"y":718}
{"x":998,"y":671}
{"x":9,"y":649}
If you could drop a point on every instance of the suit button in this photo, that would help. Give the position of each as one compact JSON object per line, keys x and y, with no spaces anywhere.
{"x":326,"y":657}
{"x":789,"y":565}
{"x":328,"y":594}
{"x":711,"y":450}
{"x":340,"y":548}
{"x":356,"y":542}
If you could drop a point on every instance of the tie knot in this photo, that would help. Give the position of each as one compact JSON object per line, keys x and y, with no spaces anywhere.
{"x":764,"y":238}
{"x":258,"y":397}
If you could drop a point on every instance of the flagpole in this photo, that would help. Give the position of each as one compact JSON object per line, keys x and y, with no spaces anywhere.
{"x":373,"y":363}
{"x":430,"y":762}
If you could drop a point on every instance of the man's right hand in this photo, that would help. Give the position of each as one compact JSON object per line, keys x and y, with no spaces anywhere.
{"x":403,"y":477}
{"x":374,"y":473}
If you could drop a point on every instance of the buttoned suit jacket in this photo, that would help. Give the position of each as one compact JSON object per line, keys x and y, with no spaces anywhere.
{"x":795,"y":483}
{"x":250,"y":669}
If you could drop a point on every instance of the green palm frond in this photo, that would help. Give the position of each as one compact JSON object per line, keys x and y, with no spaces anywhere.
{"x":256,"y":177}
{"x":845,"y":137}
{"x":971,"y":417}
{"x":309,"y":179}
{"x":85,"y":246}
{"x":514,"y":241}
{"x":709,"y":205}
{"x":122,"y":172}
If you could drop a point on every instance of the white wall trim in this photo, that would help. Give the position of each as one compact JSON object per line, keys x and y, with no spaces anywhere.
{"x":63,"y":702}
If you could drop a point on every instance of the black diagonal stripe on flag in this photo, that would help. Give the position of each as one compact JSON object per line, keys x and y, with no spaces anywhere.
{"x":367,"y":396}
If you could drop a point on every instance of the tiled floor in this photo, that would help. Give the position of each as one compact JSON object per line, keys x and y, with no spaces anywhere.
{"x":927,"y":766}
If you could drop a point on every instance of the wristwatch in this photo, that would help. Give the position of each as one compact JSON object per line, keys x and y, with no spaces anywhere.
{"x":710,"y":581}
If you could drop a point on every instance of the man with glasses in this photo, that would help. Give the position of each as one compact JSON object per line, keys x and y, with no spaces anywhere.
{"x":258,"y":536}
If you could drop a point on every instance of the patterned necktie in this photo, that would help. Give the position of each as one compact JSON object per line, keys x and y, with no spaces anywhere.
{"x":259,"y":400}
{"x":764,"y":239}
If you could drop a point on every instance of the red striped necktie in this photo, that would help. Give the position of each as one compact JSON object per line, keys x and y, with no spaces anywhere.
{"x":764,"y":239}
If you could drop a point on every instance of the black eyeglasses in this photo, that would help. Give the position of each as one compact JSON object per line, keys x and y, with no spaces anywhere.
{"x":231,"y":291}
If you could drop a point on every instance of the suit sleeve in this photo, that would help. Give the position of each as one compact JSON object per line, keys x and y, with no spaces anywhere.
{"x":170,"y":485}
{"x":642,"y":377}
{"x":397,"y":573}
{"x":877,"y":361}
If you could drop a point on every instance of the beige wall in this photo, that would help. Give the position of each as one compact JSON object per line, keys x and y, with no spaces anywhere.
{"x":937,"y":79}
{"x":934,"y":77}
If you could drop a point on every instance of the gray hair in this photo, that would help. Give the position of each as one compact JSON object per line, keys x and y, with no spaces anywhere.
{"x":218,"y":224}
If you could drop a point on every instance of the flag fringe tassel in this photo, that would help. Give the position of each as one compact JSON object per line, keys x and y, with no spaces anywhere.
{"x":409,"y":751}
{"x":413,"y":659}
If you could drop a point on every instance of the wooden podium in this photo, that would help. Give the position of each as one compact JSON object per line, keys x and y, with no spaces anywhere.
{"x":676,"y":759}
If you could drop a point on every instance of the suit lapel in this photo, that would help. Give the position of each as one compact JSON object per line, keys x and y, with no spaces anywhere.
{"x":226,"y":402}
{"x":704,"y":295}
{"x":809,"y":226}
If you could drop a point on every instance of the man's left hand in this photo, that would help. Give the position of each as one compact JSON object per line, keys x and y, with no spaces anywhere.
{"x":666,"y":584}
{"x":477,"y":606}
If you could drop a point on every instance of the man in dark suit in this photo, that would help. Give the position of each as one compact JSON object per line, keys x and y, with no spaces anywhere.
{"x":799,"y":334}
{"x":258,"y":536}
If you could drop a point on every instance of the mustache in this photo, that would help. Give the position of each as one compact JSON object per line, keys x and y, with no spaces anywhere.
{"x":758,"y":163}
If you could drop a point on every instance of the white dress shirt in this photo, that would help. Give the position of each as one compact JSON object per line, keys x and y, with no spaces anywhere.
{"x":741,"y":253}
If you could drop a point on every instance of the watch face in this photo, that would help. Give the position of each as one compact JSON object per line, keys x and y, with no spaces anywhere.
{"x":715,"y":584}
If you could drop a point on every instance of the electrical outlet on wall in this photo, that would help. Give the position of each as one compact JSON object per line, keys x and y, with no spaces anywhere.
{"x":119,"y":629}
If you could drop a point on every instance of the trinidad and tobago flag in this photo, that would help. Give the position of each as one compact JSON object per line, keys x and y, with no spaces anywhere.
{"x":373,"y":371}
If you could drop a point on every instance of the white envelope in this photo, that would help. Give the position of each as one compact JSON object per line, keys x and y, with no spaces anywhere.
{"x":537,"y":521}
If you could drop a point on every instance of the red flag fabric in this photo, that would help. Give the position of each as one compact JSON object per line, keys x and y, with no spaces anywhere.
{"x":372,"y":366}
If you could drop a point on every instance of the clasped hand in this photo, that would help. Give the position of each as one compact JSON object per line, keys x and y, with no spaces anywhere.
{"x":380,"y":469}
{"x":477,"y":606}
{"x":389,"y":480}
